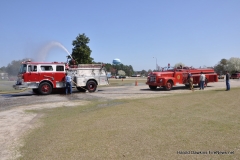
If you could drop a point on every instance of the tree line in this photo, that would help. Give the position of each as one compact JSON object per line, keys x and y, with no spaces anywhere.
{"x":232,"y":65}
{"x":13,"y":68}
{"x":114,"y":69}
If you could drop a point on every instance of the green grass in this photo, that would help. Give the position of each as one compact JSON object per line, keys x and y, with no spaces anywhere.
{"x":153,"y":128}
{"x":6,"y":86}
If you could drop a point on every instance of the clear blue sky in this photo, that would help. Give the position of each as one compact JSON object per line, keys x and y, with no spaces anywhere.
{"x":194,"y":32}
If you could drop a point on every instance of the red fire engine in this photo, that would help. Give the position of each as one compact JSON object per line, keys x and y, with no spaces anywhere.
{"x":44,"y":77}
{"x":170,"y":77}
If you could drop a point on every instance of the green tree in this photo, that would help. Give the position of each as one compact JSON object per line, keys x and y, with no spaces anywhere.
{"x":221,"y":66}
{"x":113,"y":70}
{"x":121,"y":73}
{"x":13,"y":67}
{"x":2,"y":69}
{"x":144,"y":72}
{"x":128,"y":69}
{"x":233,"y":64}
{"x":108,"y":67}
{"x":149,"y":71}
{"x":81,"y":52}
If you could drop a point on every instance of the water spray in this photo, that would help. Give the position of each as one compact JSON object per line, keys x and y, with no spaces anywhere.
{"x":46,"y":49}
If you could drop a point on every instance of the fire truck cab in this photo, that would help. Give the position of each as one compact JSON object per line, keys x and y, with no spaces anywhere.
{"x":42,"y":78}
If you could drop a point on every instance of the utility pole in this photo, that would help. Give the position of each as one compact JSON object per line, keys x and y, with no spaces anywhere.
{"x":156,"y":64}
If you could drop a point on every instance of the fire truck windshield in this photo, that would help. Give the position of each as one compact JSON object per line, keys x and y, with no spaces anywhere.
{"x":167,"y":69}
{"x":23,"y":68}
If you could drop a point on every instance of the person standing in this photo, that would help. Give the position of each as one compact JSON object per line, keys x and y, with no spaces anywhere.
{"x":190,"y":80}
{"x":202,"y":80}
{"x":227,"y":81}
{"x":68,"y":81}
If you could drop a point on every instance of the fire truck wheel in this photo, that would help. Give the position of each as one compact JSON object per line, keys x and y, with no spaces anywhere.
{"x":91,"y":86}
{"x":81,"y":89}
{"x":35,"y":91}
{"x":45,"y":88}
{"x":168,"y":86}
{"x":152,"y":87}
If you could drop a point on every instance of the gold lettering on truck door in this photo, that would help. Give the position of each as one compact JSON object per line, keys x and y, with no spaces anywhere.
{"x":178,"y":77}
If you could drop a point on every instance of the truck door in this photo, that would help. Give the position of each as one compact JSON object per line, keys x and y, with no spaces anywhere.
{"x":46,"y":73}
{"x":60,"y":76}
{"x":185,"y":78}
{"x":32,"y":74}
{"x":178,"y":77}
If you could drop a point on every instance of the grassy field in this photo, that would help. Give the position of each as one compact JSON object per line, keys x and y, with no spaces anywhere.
{"x":171,"y":127}
{"x":6,"y":85}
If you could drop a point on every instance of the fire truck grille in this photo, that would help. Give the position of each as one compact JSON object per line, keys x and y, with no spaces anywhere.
{"x":152,"y":79}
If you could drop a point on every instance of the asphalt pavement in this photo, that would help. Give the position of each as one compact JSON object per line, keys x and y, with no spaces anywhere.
{"x":9,"y":101}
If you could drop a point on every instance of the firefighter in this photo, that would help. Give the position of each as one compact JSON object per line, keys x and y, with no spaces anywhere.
{"x":190,"y":80}
{"x":68,"y":81}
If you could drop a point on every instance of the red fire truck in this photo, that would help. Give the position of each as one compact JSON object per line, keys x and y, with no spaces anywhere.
{"x":170,"y":77}
{"x":235,"y":75}
{"x":42,"y":78}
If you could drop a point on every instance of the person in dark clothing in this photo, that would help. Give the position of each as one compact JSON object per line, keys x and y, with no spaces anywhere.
{"x":188,"y":77}
{"x":227,"y":81}
{"x":68,"y":81}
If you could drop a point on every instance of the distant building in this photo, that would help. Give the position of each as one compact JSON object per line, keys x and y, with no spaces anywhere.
{"x":4,"y":76}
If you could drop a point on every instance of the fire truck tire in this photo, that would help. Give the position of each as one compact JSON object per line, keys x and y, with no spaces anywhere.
{"x":168,"y":86}
{"x":91,"y":86}
{"x":152,"y":87}
{"x":81,"y":89}
{"x":45,"y":88}
{"x":35,"y":91}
